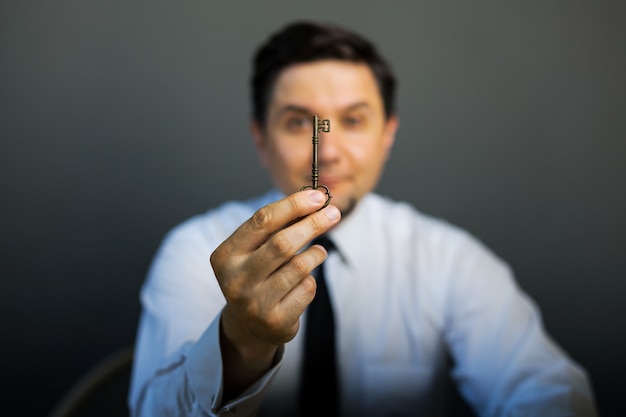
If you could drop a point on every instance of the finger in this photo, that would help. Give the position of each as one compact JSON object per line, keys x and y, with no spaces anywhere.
{"x":288,"y":241}
{"x":279,"y":304}
{"x":282,"y":286}
{"x":271,"y":218}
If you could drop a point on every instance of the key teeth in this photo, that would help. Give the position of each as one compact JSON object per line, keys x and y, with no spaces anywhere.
{"x":325,"y":126}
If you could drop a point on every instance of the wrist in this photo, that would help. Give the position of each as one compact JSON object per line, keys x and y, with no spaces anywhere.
{"x":243,"y":344}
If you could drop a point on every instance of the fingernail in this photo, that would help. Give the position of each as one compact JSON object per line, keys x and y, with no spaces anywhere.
{"x":332,"y":212}
{"x":316,"y":196}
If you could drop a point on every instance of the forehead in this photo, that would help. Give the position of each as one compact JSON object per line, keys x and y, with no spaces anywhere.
{"x":325,"y":85}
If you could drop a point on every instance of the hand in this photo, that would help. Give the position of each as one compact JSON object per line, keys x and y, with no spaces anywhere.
{"x":266,"y":282}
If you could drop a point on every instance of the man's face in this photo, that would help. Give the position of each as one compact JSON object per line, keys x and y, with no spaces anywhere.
{"x":352,"y":155}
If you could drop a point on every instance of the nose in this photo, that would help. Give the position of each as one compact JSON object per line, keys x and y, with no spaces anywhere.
{"x":328,"y":148}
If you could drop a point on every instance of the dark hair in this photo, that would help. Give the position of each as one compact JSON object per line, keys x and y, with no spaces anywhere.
{"x":307,"y":42}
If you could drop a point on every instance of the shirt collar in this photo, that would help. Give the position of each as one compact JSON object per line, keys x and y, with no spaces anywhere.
{"x":352,"y":236}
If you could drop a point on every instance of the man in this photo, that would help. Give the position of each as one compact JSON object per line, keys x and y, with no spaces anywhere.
{"x":224,"y":333}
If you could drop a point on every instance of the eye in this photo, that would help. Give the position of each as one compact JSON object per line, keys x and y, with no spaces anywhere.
{"x":297,"y":123}
{"x":353,"y":122}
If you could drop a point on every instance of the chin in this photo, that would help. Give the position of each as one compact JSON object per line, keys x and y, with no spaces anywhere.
{"x":346,"y":205}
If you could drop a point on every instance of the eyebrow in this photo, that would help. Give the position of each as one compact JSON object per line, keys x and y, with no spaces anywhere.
{"x":304,"y":110}
{"x":357,"y":106}
{"x":293,"y":108}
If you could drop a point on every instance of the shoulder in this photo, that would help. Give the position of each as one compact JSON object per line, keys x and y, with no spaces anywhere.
{"x":184,"y":253}
{"x":209,"y":229}
{"x":404,"y":219}
{"x":454,"y":265}
{"x":436,"y":238}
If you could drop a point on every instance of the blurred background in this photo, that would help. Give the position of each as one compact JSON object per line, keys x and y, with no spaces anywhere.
{"x":118,"y":120}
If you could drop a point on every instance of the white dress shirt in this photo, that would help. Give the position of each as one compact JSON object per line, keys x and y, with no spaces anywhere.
{"x":407,"y":289}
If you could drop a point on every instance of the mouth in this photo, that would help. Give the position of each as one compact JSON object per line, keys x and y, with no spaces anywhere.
{"x":330,"y":182}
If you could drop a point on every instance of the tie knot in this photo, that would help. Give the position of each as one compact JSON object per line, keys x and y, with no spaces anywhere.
{"x":325,"y":242}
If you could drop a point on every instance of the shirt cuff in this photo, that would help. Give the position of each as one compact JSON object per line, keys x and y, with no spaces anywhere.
{"x":204,"y":368}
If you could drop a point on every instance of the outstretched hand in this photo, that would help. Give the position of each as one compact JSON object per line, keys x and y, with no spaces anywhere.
{"x":266,"y":279}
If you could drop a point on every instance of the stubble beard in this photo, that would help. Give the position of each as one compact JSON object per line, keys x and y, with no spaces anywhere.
{"x":352,"y":202}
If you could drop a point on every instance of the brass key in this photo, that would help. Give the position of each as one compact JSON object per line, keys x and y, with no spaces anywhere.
{"x":323,"y":126}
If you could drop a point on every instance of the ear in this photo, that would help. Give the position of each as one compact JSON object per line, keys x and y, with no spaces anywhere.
{"x":260,"y":142}
{"x":389,"y":133}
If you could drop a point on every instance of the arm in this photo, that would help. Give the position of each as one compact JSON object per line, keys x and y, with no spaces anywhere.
{"x":506,"y":364}
{"x":201,"y":352}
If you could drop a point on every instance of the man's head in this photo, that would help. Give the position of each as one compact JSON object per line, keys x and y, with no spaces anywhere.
{"x":309,"y":42}
{"x":308,"y":69}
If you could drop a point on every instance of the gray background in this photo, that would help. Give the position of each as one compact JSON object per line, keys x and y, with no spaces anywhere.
{"x":120,"y":119}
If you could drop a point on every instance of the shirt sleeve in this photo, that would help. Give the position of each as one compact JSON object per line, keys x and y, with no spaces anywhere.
{"x":177,"y":368}
{"x":505,"y":363}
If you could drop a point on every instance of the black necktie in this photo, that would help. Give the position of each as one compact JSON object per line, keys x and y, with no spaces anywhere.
{"x":318,"y":388}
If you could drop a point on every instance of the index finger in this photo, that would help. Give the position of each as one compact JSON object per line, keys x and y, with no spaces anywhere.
{"x":269,"y":219}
